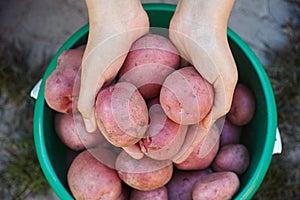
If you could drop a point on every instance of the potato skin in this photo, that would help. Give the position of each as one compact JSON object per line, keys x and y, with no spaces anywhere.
{"x":216,"y":186}
{"x":203,"y":154}
{"x":230,"y":134}
{"x":71,"y":131}
{"x":150,"y":60}
{"x":144,"y":174}
{"x":121,"y":114}
{"x":62,"y":85}
{"x":88,"y":178}
{"x":157,"y":194}
{"x":243,"y":106}
{"x":186,"y":97}
{"x":180,"y":187}
{"x":164,"y":138}
{"x":232,"y":157}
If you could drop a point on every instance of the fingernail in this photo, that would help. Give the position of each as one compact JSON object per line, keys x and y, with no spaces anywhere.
{"x":90,"y":124}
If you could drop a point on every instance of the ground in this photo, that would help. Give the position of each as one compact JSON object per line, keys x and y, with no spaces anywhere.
{"x":33,"y":30}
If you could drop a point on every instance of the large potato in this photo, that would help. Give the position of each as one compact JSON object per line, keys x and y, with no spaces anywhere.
{"x":61,"y":87}
{"x":150,"y":60}
{"x":164,"y":137}
{"x":186,"y":97}
{"x":121,"y":114}
{"x":216,"y":186}
{"x":157,"y":194}
{"x":203,"y":154}
{"x":71,"y":131}
{"x":243,"y":106}
{"x":232,"y":157}
{"x":144,"y":174}
{"x":89,"y":178}
{"x":181,"y":185}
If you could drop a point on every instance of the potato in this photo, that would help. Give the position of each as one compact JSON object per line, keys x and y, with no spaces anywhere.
{"x":195,"y":135}
{"x":134,"y":151}
{"x":180,"y":187}
{"x":89,"y":178}
{"x":232,"y":157}
{"x":144,"y":174}
{"x":203,"y":154}
{"x":121,"y":114}
{"x":61,"y":93}
{"x":150,"y":60}
{"x":186,"y":97}
{"x":216,"y":186}
{"x":157,"y":194}
{"x":71,"y":131}
{"x":164,"y":137}
{"x":243,"y":106}
{"x":230,"y":134}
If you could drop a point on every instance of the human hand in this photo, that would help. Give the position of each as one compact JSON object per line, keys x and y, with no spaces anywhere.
{"x":114,"y":26}
{"x":199,"y":31}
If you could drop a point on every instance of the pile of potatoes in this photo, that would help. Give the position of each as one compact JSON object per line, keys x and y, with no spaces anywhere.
{"x":150,"y":142}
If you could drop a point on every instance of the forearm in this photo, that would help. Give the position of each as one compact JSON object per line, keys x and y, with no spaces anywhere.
{"x":210,"y":13}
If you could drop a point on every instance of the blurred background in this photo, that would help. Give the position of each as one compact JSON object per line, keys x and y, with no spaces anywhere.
{"x":33,"y":30}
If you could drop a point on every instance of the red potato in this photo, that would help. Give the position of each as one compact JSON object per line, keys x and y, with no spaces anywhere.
{"x":203,"y":154}
{"x":71,"y":131}
{"x":186,"y":97}
{"x":216,"y":186}
{"x":195,"y":135}
{"x":232,"y":157}
{"x":230,"y":134}
{"x":243,"y":106}
{"x":144,"y":174}
{"x":62,"y":86}
{"x":157,"y":194}
{"x":134,"y":151}
{"x":89,"y":178}
{"x":180,"y":187}
{"x":164,"y":137}
{"x":121,"y":114}
{"x":151,"y":102}
{"x":150,"y":60}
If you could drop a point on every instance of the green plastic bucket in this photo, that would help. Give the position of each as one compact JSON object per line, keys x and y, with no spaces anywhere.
{"x":258,"y":135}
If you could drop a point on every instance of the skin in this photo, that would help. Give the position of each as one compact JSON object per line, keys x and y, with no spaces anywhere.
{"x":111,"y":38}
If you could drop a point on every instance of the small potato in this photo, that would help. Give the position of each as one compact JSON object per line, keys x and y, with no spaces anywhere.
{"x":186,"y":97}
{"x":62,"y":86}
{"x":243,"y":106}
{"x":71,"y":131}
{"x":121,"y":114}
{"x":144,"y":174}
{"x":203,"y":154}
{"x":157,"y":194}
{"x":164,"y":137}
{"x":216,"y":186}
{"x":89,"y":178}
{"x":150,"y":60}
{"x":232,"y":157}
{"x":195,"y":135}
{"x":230,"y":134}
{"x":180,"y":187}
{"x":134,"y":151}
